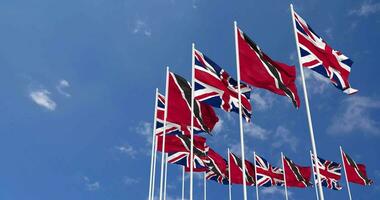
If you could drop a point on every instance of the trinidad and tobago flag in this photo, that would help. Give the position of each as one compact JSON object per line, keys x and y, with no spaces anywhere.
{"x":356,"y":173}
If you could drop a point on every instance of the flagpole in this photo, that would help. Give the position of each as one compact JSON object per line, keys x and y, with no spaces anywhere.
{"x":204,"y":186}
{"x":153,"y":149}
{"x":229,"y":176}
{"x":240,"y":112}
{"x":257,"y":187}
{"x":192,"y":122}
{"x":312,"y":168}
{"x":314,"y":148}
{"x":183,"y":183}
{"x":283,"y":168}
{"x":166,"y":174}
{"x":154,"y":167}
{"x":345,"y":173}
{"x":164,"y":133}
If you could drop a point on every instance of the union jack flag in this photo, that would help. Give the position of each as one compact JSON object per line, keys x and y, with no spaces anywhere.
{"x":317,"y":55}
{"x":214,"y":86}
{"x":266,"y":174}
{"x":330,"y":173}
{"x":217,"y":167}
{"x":183,"y":158}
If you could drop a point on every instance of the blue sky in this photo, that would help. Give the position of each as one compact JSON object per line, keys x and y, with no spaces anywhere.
{"x":78,"y":80}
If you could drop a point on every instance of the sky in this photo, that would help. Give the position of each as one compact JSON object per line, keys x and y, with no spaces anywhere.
{"x":78,"y":78}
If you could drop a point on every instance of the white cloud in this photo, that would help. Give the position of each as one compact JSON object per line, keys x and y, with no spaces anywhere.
{"x":127,"y":149}
{"x":262,"y":100}
{"x":41,"y":98}
{"x":283,"y":137}
{"x":61,"y":86}
{"x":328,"y":33}
{"x":218,"y":126}
{"x":255,"y":131}
{"x":367,"y":8}
{"x":91,"y":186}
{"x":315,"y":82}
{"x":355,"y":114}
{"x":130,"y":181}
{"x":275,"y":191}
{"x":145,"y":129}
{"x":140,"y":27}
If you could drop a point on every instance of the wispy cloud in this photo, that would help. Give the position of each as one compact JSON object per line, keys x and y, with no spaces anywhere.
{"x":316,"y":82}
{"x":130,"y":180}
{"x":283,"y":137}
{"x":218,"y":126}
{"x":91,"y":186}
{"x":141,"y":27}
{"x":275,"y":191}
{"x":255,"y":131}
{"x":61,"y":86}
{"x":145,"y":129}
{"x":366,"y":8}
{"x":127,"y":149}
{"x":262,"y":100}
{"x":355,"y":114}
{"x":41,"y":97}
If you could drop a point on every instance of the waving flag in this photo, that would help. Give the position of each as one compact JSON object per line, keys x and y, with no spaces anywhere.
{"x":237,"y":169}
{"x":356,"y":173}
{"x":259,"y":70}
{"x":214,"y":86}
{"x":171,"y":128}
{"x":296,"y":175}
{"x":183,"y":158}
{"x":267,"y":175}
{"x":317,"y":55}
{"x":177,"y":143}
{"x":330,"y":173}
{"x":217,"y":167}
{"x":179,"y":107}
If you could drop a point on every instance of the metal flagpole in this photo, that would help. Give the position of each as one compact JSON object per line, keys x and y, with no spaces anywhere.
{"x":192,"y":122}
{"x":257,"y":187}
{"x":314,"y":148}
{"x":345,"y":173}
{"x":312,"y":168}
{"x":229,"y":176}
{"x":164,"y":133}
{"x":166,"y":175}
{"x":240,"y":113}
{"x":283,"y":168}
{"x":204,"y":186}
{"x":153,"y":145}
{"x":154,"y":166}
{"x":183,"y":183}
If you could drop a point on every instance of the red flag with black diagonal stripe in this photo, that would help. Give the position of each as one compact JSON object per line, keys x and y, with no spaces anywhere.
{"x":296,"y":175}
{"x":259,"y":70}
{"x":356,"y":173}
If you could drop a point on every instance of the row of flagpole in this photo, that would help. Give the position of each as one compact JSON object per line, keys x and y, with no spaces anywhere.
{"x":163,"y":177}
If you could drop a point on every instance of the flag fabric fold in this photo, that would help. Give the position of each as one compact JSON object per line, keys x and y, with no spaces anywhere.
{"x":296,"y":175}
{"x":179,"y":107}
{"x":215,"y":87}
{"x":267,"y":175}
{"x":217,"y":168}
{"x":318,"y":56}
{"x":259,"y":70}
{"x":356,"y":173}
{"x":237,"y":169}
{"x":330,"y":173}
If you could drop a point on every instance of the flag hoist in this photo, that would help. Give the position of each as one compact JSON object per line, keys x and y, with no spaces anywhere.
{"x":310,"y":123}
{"x":240,"y":113}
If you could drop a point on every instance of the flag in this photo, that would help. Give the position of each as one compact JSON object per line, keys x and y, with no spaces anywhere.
{"x":266,"y":174}
{"x":179,"y":107}
{"x":330,"y":173}
{"x":317,"y":55}
{"x":214,"y":86}
{"x":259,"y":70}
{"x":183,"y":158}
{"x":171,"y":128}
{"x":296,"y":175}
{"x":356,"y":173}
{"x":177,"y":143}
{"x":236,"y":169}
{"x":217,"y":167}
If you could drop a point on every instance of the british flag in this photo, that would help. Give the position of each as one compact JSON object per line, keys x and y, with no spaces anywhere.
{"x":183,"y":158}
{"x":214,"y":86}
{"x":266,"y":174}
{"x":217,"y":168}
{"x":330,"y":173}
{"x":317,"y":55}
